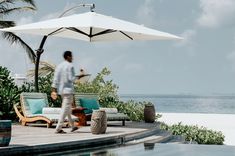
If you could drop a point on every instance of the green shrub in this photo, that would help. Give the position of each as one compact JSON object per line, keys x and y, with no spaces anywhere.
{"x":135,"y":110}
{"x":9,"y":94}
{"x":44,"y":85}
{"x":105,"y":89}
{"x":108,"y":97}
{"x":194,"y":133}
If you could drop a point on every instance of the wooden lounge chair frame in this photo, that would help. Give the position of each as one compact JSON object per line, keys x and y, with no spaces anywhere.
{"x":27,"y":117}
{"x":24,"y":120}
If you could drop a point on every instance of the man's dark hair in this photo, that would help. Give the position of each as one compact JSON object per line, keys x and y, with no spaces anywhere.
{"x":67,"y":53}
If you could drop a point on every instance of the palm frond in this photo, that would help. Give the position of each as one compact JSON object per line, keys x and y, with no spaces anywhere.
{"x":31,"y":2}
{"x":7,"y":2}
{"x":48,"y":65}
{"x":2,"y":8}
{"x":6,"y":24}
{"x":12,"y":10}
{"x":15,"y":39}
{"x":45,"y":69}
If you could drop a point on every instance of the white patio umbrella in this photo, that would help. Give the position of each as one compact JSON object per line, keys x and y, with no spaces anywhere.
{"x":90,"y":27}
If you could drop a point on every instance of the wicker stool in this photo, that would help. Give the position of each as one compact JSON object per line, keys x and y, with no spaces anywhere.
{"x":98,"y":122}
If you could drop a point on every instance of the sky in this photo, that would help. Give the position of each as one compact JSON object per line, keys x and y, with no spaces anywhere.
{"x":202,"y":64}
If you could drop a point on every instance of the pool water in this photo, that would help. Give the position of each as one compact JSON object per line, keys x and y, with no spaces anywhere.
{"x":158,"y":150}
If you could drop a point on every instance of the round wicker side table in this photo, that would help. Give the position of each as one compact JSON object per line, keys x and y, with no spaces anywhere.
{"x":98,"y":122}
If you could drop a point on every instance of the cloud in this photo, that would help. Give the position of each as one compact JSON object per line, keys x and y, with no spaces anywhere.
{"x":147,"y":11}
{"x":58,"y":13}
{"x":133,"y":67}
{"x":216,"y":13}
{"x":87,"y":63}
{"x":187,"y":38}
{"x":24,"y":20}
{"x":188,"y":42}
{"x":231,"y":56}
{"x":50,"y":16}
{"x":9,"y":55}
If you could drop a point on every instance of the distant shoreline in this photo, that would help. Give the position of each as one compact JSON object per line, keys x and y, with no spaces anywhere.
{"x":176,"y":95}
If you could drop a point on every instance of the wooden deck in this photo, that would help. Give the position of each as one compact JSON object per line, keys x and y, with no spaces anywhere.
{"x":41,"y":138}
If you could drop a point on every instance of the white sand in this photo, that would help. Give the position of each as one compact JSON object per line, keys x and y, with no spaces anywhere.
{"x":218,"y":122}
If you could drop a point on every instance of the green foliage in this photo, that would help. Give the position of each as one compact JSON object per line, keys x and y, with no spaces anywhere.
{"x":106,"y":89}
{"x":194,"y":133}
{"x":135,"y":110}
{"x":9,"y":95}
{"x":44,"y":85}
{"x":108,"y":97}
{"x":8,"y":7}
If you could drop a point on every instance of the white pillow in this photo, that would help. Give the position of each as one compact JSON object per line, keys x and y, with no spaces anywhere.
{"x":49,"y":110}
{"x":109,"y":110}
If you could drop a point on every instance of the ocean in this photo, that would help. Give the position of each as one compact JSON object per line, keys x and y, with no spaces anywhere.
{"x":187,"y":103}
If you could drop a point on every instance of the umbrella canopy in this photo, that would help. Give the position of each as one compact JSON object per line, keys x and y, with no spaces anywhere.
{"x":92,"y":27}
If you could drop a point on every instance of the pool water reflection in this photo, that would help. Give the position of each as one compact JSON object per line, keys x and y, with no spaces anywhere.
{"x":159,"y":149}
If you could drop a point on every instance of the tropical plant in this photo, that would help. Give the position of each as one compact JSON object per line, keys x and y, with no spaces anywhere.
{"x":9,"y":94}
{"x":194,"y":133}
{"x":106,"y":89}
{"x":44,"y":87}
{"x":45,"y":69}
{"x":8,"y":7}
{"x":135,"y":110}
{"x":108,"y":97}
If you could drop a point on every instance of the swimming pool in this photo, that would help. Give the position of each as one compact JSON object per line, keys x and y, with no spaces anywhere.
{"x":158,"y":149}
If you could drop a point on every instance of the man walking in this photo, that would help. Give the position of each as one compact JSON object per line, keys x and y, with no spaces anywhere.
{"x":63,"y":84}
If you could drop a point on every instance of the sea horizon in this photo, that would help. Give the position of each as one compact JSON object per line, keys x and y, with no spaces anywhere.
{"x":176,"y":95}
{"x":187,"y":103}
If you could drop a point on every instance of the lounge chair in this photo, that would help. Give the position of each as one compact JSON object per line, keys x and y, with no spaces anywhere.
{"x":89,"y":101}
{"x":34,"y":107}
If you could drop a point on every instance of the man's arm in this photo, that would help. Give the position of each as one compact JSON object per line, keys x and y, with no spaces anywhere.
{"x":71,"y":74}
{"x":56,"y":80}
{"x":54,"y":85}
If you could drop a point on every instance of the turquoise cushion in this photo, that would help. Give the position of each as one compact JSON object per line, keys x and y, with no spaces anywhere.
{"x":90,"y":104}
{"x":36,"y":105}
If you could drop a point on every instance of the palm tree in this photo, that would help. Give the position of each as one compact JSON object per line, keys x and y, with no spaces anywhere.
{"x":45,"y":69}
{"x":7,"y":7}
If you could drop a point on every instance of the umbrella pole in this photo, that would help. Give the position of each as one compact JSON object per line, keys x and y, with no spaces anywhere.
{"x":38,"y":55}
